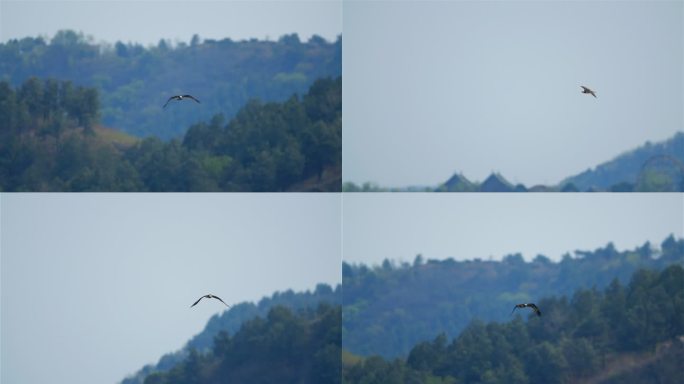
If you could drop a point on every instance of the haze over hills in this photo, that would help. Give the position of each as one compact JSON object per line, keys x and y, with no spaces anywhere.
{"x":652,"y":167}
{"x":389,"y":308}
{"x":230,"y":323}
{"x":135,"y":81}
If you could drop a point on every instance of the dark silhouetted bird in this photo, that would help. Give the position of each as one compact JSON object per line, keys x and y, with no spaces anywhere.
{"x":587,"y":90}
{"x":528,"y":305}
{"x":179,"y":98}
{"x":210,"y":296}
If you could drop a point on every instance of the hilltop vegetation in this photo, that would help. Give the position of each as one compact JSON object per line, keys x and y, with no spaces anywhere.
{"x":651,"y":167}
{"x":285,"y":347}
{"x":389,"y":308}
{"x":302,"y":307}
{"x":134,"y":81}
{"x":50,"y":140}
{"x":588,"y":338}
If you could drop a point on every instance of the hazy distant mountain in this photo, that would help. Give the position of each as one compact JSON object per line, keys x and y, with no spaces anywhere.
{"x":655,"y":167}
{"x":232,"y":320}
{"x":458,"y":183}
{"x":387,"y":309}
{"x":633,"y":167}
{"x":496,"y":183}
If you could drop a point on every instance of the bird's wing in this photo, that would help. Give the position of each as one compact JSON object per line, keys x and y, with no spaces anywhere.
{"x":584,"y":88}
{"x":198,"y":300}
{"x":592,"y":93}
{"x":216,"y":297}
{"x":535,"y":308}
{"x":192,"y":97}
{"x":167,"y":101}
{"x":514,"y":309}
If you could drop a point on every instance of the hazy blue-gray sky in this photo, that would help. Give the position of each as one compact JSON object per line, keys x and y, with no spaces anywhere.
{"x":435,"y":87}
{"x":393,"y":226}
{"x":96,"y":285}
{"x":147,"y":22}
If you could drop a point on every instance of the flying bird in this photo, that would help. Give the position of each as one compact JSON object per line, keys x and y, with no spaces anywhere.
{"x":587,"y":90}
{"x":210,"y":296}
{"x":530,"y":305}
{"x":180,"y":98}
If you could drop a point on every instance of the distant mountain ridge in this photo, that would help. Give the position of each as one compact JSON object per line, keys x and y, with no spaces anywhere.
{"x":651,"y":167}
{"x":626,"y":172}
{"x":626,"y":168}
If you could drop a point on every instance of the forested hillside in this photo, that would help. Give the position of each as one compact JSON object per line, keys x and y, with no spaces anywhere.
{"x":285,"y":347}
{"x":135,"y":81}
{"x":50,"y":140}
{"x":653,"y":166}
{"x":387,"y":309}
{"x":273,"y":318}
{"x":630,"y":333}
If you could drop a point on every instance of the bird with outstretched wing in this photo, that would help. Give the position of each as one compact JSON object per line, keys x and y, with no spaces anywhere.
{"x":528,"y":305}
{"x":210,"y":296}
{"x":180,"y":98}
{"x":588,"y":91}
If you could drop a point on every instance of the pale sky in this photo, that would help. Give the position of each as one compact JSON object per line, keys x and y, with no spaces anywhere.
{"x":436,"y":87}
{"x":94,"y":286}
{"x":147,"y":22}
{"x":398,"y":226}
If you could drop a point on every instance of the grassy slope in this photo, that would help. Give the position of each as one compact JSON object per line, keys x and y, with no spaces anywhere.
{"x":113,"y":136}
{"x":620,"y":368}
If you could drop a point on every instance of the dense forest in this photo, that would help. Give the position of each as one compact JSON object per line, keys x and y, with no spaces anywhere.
{"x":652,"y":167}
{"x":631,"y":333}
{"x":50,"y":140}
{"x":299,"y":305}
{"x":301,"y":347}
{"x":134,"y":81}
{"x":389,"y":308}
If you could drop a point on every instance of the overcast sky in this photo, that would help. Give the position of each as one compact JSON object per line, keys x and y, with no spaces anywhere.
{"x":398,"y":226}
{"x":147,"y":22}
{"x":436,"y":87}
{"x":94,"y":286}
